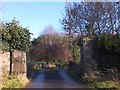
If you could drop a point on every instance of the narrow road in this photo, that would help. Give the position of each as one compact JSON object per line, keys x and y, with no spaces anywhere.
{"x":66,"y":82}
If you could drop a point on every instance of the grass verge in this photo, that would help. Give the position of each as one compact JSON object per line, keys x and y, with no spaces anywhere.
{"x":101,"y":84}
{"x":14,"y":81}
{"x":96,"y":84}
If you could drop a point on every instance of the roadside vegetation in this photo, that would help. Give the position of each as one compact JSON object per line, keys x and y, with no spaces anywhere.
{"x":14,"y":81}
{"x":102,"y":84}
{"x":95,"y":83}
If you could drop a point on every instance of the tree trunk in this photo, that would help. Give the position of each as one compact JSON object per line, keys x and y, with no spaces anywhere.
{"x":99,"y":30}
{"x":10,"y":72}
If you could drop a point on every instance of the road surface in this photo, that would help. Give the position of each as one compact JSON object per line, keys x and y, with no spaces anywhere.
{"x":66,"y":82}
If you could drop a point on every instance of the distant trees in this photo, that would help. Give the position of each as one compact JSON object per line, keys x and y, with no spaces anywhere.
{"x":14,"y":37}
{"x":51,"y":46}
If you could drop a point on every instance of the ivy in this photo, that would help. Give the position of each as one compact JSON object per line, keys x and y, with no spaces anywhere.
{"x":76,"y":52}
{"x":107,"y":48}
{"x":15,"y":36}
{"x":108,"y":43}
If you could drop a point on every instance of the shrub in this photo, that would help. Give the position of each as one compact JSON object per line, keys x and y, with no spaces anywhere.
{"x":107,"y":48}
{"x":108,"y":43}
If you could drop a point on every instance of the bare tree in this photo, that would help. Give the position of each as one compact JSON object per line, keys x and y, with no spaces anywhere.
{"x":49,"y":30}
{"x":91,"y":18}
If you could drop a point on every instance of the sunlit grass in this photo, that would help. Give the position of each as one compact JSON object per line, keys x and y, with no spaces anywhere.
{"x":101,"y":84}
{"x":14,"y":81}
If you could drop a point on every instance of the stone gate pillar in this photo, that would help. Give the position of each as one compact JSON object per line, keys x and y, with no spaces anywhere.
{"x":88,"y":63}
{"x":19,"y":62}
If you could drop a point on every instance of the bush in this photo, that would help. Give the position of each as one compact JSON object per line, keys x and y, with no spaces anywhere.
{"x":108,"y":43}
{"x":107,"y":48}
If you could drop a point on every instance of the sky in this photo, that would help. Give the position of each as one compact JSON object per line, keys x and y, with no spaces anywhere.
{"x":60,"y":0}
{"x":34,"y":15}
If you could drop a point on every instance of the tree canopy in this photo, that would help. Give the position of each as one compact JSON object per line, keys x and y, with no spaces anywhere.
{"x":51,"y":46}
{"x":91,"y":18}
{"x":15,"y":36}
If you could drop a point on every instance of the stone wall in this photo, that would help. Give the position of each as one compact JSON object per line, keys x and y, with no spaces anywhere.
{"x":5,"y":62}
{"x":18,"y":62}
{"x":0,"y":71}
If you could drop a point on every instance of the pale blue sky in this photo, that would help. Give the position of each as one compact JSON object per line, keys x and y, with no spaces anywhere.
{"x":35,"y":15}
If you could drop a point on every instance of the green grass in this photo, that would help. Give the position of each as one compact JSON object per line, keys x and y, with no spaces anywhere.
{"x":13,"y":81}
{"x":101,"y":84}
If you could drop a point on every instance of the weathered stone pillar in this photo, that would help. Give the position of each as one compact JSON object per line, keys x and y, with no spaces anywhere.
{"x":5,"y":62}
{"x":4,"y":65}
{"x":19,"y":62}
{"x":88,"y":63}
{"x":0,"y":71}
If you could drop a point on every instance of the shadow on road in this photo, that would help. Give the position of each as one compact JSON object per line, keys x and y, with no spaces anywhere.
{"x":49,"y":78}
